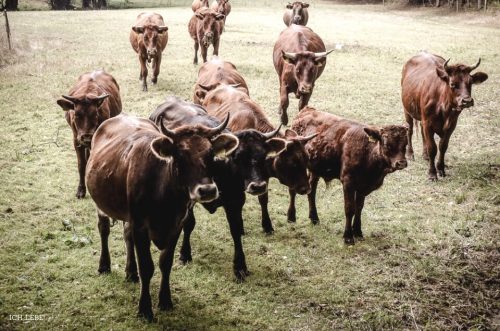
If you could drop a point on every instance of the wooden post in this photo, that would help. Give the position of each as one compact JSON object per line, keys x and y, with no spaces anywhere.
{"x":485,"y":2}
{"x":7,"y":28}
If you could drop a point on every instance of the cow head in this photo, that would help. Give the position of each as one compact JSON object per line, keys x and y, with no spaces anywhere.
{"x":305,"y":68}
{"x":149,"y":35}
{"x":194,"y":149}
{"x":84,"y":115}
{"x":459,"y":79}
{"x":201,"y":90}
{"x":250,"y":158}
{"x":208,"y":25}
{"x":392,"y":140}
{"x":222,"y":6}
{"x":297,"y":8}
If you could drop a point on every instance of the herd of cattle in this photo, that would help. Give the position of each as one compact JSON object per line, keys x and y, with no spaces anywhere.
{"x":150,"y":172}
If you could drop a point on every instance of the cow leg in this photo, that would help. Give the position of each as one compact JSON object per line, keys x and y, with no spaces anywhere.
{"x":156,"y":68}
{"x":196,"y":46}
{"x":291,"y":215}
{"x":311,"y":197}
{"x":430,"y":146}
{"x":131,"y":266}
{"x":360,"y":202}
{"x":267,"y":225}
{"x":283,"y":104}
{"x":204,"y":51}
{"x":409,"y":150}
{"x":234,"y":217}
{"x":82,"y":164}
{"x":443,"y":146}
{"x":104,"y":228}
{"x":146,"y":269}
{"x":349,"y":208}
{"x":144,"y":72}
{"x":304,"y":100}
{"x":425,"y":153}
{"x":166,"y":260}
{"x":189,"y":223}
{"x":216,"y":46}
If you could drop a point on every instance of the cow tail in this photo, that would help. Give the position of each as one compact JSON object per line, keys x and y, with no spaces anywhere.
{"x":415,"y":125}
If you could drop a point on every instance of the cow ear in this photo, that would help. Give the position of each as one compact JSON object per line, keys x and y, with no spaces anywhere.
{"x":199,"y":15}
{"x":479,"y":77}
{"x":290,"y":134}
{"x":320,"y":62}
{"x":275,"y":146}
{"x":138,"y":29}
{"x":442,"y":74}
{"x":305,"y":5}
{"x":65,"y":104}
{"x":224,"y":144}
{"x":219,"y":16}
{"x":163,"y":148}
{"x":373,"y":133}
{"x":162,"y":29}
{"x":289,"y":6}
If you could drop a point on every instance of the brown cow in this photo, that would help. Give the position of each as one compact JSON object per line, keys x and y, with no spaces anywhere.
{"x":93,"y":99}
{"x":436,"y":93}
{"x":222,"y":6}
{"x":150,"y":178}
{"x":148,"y":38}
{"x":299,"y":58}
{"x":197,"y":4}
{"x":214,"y":73}
{"x":289,"y":166}
{"x":296,"y":13}
{"x":359,"y":155}
{"x":205,"y":27}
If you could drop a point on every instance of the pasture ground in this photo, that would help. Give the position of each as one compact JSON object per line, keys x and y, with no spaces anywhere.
{"x":431,"y":255}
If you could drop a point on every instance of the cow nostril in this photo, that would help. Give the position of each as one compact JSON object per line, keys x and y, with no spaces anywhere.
{"x":207,"y":192}
{"x":401,"y":164}
{"x":257,"y":188}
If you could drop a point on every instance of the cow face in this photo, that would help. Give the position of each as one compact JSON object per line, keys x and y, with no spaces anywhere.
{"x":208,"y":26}
{"x":149,"y":35}
{"x":194,"y":149}
{"x":392,"y":141}
{"x":305,"y":68}
{"x":83,"y":114}
{"x":297,"y":11}
{"x":250,"y":158}
{"x":459,"y":79}
{"x":222,"y":6}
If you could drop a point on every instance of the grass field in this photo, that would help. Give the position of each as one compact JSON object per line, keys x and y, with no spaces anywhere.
{"x":431,"y":258}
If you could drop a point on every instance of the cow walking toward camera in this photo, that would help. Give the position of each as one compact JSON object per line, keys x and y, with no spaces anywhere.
{"x":93,"y":99}
{"x":148,"y":38}
{"x":222,"y":7}
{"x":197,"y":4}
{"x":296,"y":13}
{"x":150,"y":177}
{"x":299,"y":58}
{"x":205,"y":27}
{"x":435,"y":93}
{"x":359,"y":155}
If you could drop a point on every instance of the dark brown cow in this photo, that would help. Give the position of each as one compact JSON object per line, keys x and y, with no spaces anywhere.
{"x":289,"y":166}
{"x":359,"y":155}
{"x":214,"y":73}
{"x":148,"y":38}
{"x":93,"y":99}
{"x":299,"y":58}
{"x":197,"y":4}
{"x":222,"y":6}
{"x":435,"y":93}
{"x":296,"y":13}
{"x":205,"y":27}
{"x":150,"y":178}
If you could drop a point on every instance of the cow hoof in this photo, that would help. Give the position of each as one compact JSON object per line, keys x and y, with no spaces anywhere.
{"x":441,"y":173}
{"x":314,"y":221}
{"x":154,"y":81}
{"x":185,"y":259}
{"x":433,"y":177}
{"x":269,"y":231}
{"x":349,"y":241}
{"x":147,"y":315}
{"x":133,"y":278}
{"x":284,"y":118}
{"x":241,"y":275}
{"x":166,"y":306}
{"x":144,"y":88}
{"x":80,"y":193}
{"x":410,"y":157}
{"x":292,"y":220}
{"x":359,"y":237}
{"x":104,"y":270}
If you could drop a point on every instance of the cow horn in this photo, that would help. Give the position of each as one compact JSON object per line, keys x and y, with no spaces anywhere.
{"x":475,"y":66}
{"x":289,"y":55}
{"x":271,"y":134}
{"x":102,"y":96}
{"x":72,"y":99}
{"x":322,"y":54}
{"x":306,"y":139}
{"x":218,"y":129}
{"x":445,"y":65}
{"x":164,"y":130}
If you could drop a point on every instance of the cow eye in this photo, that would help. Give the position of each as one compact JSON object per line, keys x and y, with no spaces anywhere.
{"x":453,"y":85}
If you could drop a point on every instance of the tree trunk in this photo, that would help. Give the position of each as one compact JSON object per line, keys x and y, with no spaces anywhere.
{"x":438,"y":3}
{"x":85,"y":4}
{"x":11,"y":4}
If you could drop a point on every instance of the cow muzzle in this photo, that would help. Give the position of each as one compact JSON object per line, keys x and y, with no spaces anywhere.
{"x":297,"y":19}
{"x":204,"y":193}
{"x":305,"y":89}
{"x":208,"y":39}
{"x":85,"y":139}
{"x":257,"y":188}
{"x":400,"y":164}
{"x":151,"y":54}
{"x":466,"y":102}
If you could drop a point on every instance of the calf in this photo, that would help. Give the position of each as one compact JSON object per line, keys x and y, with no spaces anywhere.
{"x":150,"y":178}
{"x":214,"y":73}
{"x":148,"y":38}
{"x":359,"y":155}
{"x":93,"y":99}
{"x":296,"y":13}
{"x":197,"y":4}
{"x":205,"y":27}
{"x":242,"y":171}
{"x":289,"y":166}
{"x":299,"y":58}
{"x":435,"y":93}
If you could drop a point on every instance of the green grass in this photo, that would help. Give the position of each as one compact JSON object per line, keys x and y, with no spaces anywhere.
{"x":430,"y":258}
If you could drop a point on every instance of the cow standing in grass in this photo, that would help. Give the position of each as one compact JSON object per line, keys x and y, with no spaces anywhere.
{"x":197,"y":4}
{"x":148,"y":38}
{"x":93,"y":99}
{"x":222,"y":7}
{"x":205,"y":27}
{"x":359,"y":155}
{"x":150,"y":178}
{"x":435,"y":93}
{"x":299,"y":58}
{"x":296,"y":13}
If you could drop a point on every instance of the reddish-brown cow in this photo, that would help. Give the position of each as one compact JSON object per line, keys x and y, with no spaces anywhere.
{"x":359,"y":155}
{"x":289,"y":166}
{"x":222,"y":6}
{"x":299,"y":58}
{"x":296,"y":13}
{"x":93,"y":99}
{"x":148,"y":38}
{"x":205,"y":27}
{"x":150,"y":178}
{"x":435,"y":93}
{"x":197,"y":4}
